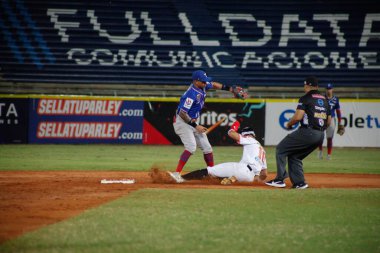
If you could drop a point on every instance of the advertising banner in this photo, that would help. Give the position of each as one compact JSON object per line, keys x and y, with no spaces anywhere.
{"x":54,"y":120}
{"x":362,"y":123}
{"x":159,"y":116}
{"x":361,"y":120}
{"x":13,"y":120}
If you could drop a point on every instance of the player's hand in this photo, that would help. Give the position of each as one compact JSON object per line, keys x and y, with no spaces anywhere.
{"x":201,"y":129}
{"x":263,"y":175}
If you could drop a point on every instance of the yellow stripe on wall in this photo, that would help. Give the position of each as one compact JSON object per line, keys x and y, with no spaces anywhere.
{"x":214,"y":100}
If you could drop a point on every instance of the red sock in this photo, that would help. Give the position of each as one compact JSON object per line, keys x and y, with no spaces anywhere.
{"x":320,"y":147}
{"x":209,"y":159}
{"x":183,"y":160}
{"x":329,"y":146}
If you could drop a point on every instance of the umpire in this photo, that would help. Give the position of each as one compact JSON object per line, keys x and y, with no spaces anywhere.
{"x":313,"y":112}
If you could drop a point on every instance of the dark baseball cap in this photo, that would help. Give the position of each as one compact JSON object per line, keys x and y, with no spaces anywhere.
{"x":200,"y":75}
{"x":311,"y":81}
{"x":329,"y":86}
{"x":247,"y":130}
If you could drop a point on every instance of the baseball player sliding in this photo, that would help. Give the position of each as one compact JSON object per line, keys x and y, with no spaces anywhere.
{"x":252,"y":166}
{"x":187,"y":113}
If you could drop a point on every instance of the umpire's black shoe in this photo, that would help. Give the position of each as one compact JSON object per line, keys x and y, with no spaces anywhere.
{"x":276,"y":183}
{"x":300,"y":186}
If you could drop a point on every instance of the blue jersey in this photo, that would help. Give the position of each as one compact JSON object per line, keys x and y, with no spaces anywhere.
{"x":334,"y":105}
{"x":193,"y":99}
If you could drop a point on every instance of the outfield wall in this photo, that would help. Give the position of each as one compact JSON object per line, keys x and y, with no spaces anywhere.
{"x":361,"y":119}
{"x":121,"y":120}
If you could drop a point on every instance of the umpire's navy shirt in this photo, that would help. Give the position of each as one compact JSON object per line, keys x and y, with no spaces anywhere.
{"x":316,"y":109}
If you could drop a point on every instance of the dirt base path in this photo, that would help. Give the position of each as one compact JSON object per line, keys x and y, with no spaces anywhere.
{"x":29,"y":200}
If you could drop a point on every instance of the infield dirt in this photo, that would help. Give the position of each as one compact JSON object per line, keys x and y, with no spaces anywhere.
{"x":29,"y":200}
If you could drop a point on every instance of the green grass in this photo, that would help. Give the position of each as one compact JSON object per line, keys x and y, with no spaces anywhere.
{"x":249,"y":220}
{"x":142,"y":157}
{"x":246,"y":220}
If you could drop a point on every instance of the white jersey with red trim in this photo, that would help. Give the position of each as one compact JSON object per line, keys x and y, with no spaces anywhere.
{"x":253,"y":153}
{"x":250,"y":165}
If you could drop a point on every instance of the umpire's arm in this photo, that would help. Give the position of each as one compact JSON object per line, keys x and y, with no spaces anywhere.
{"x":295,"y":119}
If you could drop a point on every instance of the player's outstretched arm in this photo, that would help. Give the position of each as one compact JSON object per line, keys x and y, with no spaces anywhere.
{"x":233,"y":131}
{"x":219,"y":86}
{"x":238,"y":91}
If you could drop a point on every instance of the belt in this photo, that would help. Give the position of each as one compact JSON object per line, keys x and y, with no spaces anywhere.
{"x":175,"y":117}
{"x":315,"y":128}
{"x":249,"y":167}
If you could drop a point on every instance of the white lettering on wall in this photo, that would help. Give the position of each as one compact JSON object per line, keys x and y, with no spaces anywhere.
{"x":62,"y":26}
{"x":369,"y":60}
{"x":76,"y":54}
{"x":223,"y":59}
{"x":308,"y":33}
{"x":113,"y":38}
{"x":250,"y":57}
{"x":225,"y":18}
{"x":314,"y":64}
{"x":367,"y":29}
{"x":333,"y":19}
{"x":193,"y":35}
{"x":216,"y":57}
{"x":154,"y":34}
{"x":337,"y":60}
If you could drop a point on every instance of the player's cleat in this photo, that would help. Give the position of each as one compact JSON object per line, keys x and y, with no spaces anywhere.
{"x":328,"y":157}
{"x":300,"y":186}
{"x":176,"y":176}
{"x":276,"y":183}
{"x":320,"y":155}
{"x":228,"y":180}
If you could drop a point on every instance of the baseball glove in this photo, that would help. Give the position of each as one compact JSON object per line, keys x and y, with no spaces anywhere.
{"x":239,"y":92}
{"x":228,"y":180}
{"x":340,"y":130}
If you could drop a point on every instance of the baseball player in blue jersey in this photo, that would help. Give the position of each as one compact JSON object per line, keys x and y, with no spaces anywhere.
{"x":335,"y":114}
{"x":188,"y":111}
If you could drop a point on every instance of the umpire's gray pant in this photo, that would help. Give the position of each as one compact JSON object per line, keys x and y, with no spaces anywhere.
{"x":296,"y":146}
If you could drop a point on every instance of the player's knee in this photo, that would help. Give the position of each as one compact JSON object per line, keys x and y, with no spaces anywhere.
{"x":207,"y":149}
{"x":191,"y":149}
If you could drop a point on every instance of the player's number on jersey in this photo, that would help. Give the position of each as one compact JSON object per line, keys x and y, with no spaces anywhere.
{"x":262,"y":154}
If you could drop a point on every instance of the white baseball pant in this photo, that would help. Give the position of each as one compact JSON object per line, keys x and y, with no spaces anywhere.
{"x":190,"y":137}
{"x":331,"y":129}
{"x":238,"y":170}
